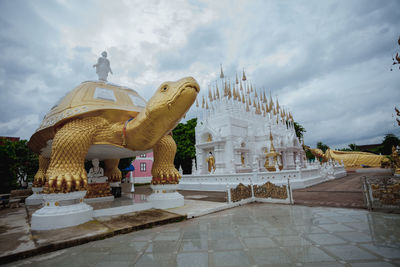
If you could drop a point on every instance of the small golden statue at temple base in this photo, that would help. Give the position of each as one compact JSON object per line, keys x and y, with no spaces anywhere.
{"x":211,"y":163}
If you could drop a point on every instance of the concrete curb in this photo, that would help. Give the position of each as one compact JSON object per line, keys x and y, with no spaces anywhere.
{"x":79,"y":241}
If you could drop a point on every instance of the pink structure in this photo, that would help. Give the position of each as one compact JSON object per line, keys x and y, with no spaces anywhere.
{"x":142,"y":173}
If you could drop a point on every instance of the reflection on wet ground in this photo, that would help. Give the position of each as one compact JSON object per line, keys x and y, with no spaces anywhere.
{"x":249,"y":235}
{"x":125,"y":200}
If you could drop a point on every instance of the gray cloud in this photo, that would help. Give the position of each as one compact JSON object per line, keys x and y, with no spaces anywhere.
{"x":327,"y":61}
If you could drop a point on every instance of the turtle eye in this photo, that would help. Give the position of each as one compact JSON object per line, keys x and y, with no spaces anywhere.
{"x":164,"y":88}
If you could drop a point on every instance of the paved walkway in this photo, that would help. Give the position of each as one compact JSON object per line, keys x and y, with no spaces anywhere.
{"x":343,"y":192}
{"x":251,"y":235}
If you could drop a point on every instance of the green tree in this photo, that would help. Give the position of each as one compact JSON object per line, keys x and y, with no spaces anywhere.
{"x":389,"y":141}
{"x":299,"y":130}
{"x":184,"y":136}
{"x":16,"y":162}
{"x":322,"y":146}
{"x":353,"y":147}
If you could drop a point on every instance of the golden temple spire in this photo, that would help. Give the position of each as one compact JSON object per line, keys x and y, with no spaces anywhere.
{"x":243,"y":98}
{"x":214,"y":97}
{"x":272,"y":149}
{"x":265,"y":98}
{"x":277,"y":105}
{"x":217,"y":92}
{"x":225,"y":89}
{"x":222,"y":73}
{"x":255,"y":92}
{"x":251,"y":88}
{"x":247,"y":107}
{"x":209,"y":93}
{"x":197,"y":103}
{"x":244,"y":76}
{"x":237,"y":81}
{"x":241,"y":86}
{"x":234,"y":93}
{"x":238,"y":96}
{"x":206,"y":104}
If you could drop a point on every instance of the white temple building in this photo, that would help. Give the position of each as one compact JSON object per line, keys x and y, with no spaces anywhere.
{"x":235,"y":126}
{"x":247,"y":132}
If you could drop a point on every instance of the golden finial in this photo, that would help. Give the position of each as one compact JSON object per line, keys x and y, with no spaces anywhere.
{"x":266,"y":107}
{"x":206,"y":104}
{"x":214,"y":97}
{"x":243,"y":98}
{"x":244,"y":75}
{"x":241,"y":86}
{"x":255,"y":92}
{"x":234,"y":93}
{"x":247,"y":107}
{"x":218,"y":93}
{"x":222,"y":73}
{"x":209,"y":93}
{"x":225,"y":89}
{"x":277,"y":105}
{"x":238,"y":97}
{"x":249,"y":100}
{"x":265,"y":98}
{"x":237,"y":81}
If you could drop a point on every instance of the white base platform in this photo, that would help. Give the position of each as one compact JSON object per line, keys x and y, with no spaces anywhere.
{"x":98,"y":199}
{"x":35,"y":198}
{"x":61,"y":210}
{"x":122,"y":209}
{"x":165,"y":196}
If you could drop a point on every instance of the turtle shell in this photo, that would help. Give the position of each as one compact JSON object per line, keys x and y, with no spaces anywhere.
{"x":90,"y":98}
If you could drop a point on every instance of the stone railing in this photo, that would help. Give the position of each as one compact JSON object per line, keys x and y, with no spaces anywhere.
{"x":299,"y":178}
{"x":267,"y":192}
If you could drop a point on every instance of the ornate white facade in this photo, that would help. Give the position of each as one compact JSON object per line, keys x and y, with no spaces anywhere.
{"x":235,"y":125}
{"x":239,"y":125}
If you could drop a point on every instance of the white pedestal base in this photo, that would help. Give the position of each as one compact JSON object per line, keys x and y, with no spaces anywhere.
{"x":35,"y":198}
{"x":99,"y":199}
{"x":165,"y":196}
{"x":61,"y":210}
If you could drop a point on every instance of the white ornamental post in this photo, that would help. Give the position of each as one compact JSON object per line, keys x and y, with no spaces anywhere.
{"x":132,"y":182}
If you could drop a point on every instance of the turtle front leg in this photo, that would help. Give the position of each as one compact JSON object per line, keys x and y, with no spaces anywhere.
{"x":164,"y":171}
{"x":71,"y":143}
{"x":40,"y":177}
{"x":112,"y":171}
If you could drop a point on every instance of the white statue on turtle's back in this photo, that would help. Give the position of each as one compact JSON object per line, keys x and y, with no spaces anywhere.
{"x":103,"y":67}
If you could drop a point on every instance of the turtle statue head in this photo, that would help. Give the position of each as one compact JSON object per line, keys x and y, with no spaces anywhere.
{"x":171,"y":101}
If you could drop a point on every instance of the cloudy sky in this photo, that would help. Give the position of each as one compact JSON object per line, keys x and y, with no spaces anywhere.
{"x":327,"y":61}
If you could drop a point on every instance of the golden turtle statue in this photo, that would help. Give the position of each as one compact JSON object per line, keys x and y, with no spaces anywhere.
{"x":109,"y":122}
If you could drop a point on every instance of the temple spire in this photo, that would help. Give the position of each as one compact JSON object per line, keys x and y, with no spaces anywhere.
{"x":222,"y":73}
{"x":244,"y":76}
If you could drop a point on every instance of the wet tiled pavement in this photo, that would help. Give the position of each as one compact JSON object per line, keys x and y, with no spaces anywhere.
{"x":249,"y":235}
